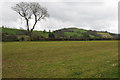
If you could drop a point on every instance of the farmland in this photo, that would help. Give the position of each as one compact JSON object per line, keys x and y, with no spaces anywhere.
{"x":60,"y":59}
{"x":11,"y":34}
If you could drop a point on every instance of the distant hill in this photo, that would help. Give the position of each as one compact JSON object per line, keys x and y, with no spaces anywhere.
{"x":65,"y":33}
{"x":82,"y":33}
{"x":75,"y":33}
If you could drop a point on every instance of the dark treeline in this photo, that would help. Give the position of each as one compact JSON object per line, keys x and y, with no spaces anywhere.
{"x":38,"y":38}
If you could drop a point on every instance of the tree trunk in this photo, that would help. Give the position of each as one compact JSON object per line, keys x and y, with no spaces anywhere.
{"x":30,"y":35}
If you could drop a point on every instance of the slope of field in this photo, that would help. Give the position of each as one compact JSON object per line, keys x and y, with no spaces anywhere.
{"x":13,"y":31}
{"x":105,"y":35}
{"x":77,"y":33}
{"x":63,"y":59}
{"x":22,"y":32}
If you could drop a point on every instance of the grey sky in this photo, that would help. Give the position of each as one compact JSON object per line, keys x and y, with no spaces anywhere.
{"x":87,"y":14}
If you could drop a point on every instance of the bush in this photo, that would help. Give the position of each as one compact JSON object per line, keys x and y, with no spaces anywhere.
{"x":9,"y":38}
{"x":51,"y":36}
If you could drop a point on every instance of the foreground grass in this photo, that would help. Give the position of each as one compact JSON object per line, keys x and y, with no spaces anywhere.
{"x":64,"y":59}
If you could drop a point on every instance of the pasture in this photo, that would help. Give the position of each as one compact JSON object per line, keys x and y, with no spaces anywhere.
{"x":60,"y":59}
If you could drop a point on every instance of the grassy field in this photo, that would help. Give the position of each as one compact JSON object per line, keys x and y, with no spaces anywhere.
{"x":60,"y":59}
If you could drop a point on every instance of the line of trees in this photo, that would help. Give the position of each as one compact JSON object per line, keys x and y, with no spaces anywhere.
{"x":51,"y":37}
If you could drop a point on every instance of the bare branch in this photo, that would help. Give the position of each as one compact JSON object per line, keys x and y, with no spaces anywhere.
{"x":27,"y":10}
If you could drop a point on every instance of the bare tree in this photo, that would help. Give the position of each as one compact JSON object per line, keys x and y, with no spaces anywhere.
{"x":31,"y":10}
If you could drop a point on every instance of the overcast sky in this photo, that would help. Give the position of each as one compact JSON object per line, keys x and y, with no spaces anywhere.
{"x":101,"y":15}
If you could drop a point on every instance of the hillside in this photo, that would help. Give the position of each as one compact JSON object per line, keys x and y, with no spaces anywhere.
{"x":65,"y":33}
{"x":82,"y":33}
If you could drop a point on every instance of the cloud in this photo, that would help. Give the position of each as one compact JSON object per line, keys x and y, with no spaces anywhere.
{"x":87,"y":14}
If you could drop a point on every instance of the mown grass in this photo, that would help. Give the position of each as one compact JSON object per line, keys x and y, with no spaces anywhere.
{"x":60,"y":59}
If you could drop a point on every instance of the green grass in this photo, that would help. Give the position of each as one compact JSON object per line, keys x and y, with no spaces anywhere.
{"x":105,"y":35}
{"x":91,"y":36}
{"x":60,"y":59}
{"x":12,"y":31}
{"x":69,"y":34}
{"x":78,"y":30}
{"x":21,"y":32}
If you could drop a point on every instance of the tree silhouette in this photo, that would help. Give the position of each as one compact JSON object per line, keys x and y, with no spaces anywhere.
{"x":31,"y":10}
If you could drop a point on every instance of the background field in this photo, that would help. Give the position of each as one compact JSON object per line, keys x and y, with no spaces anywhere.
{"x":9,"y":34}
{"x":63,"y":59}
